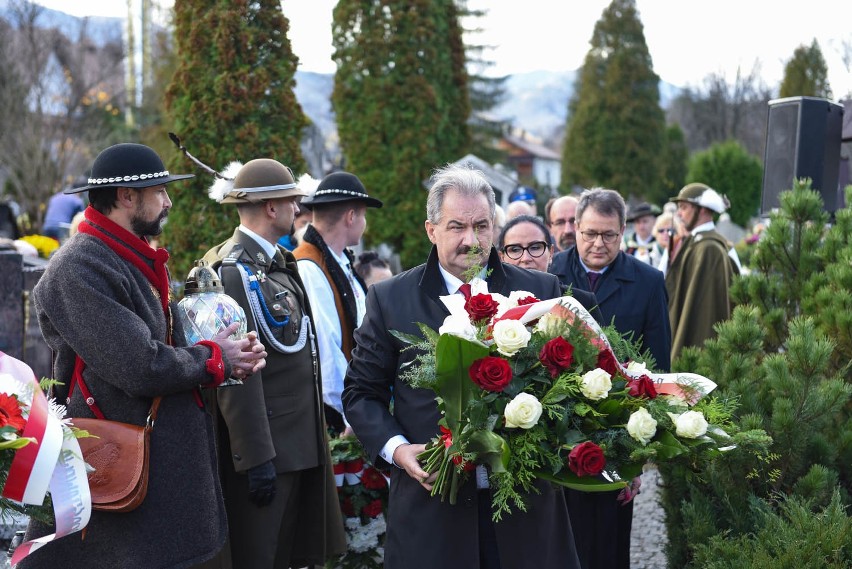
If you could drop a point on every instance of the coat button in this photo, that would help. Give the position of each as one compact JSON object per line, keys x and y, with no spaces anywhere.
{"x":237,"y":457}
{"x":269,"y":413}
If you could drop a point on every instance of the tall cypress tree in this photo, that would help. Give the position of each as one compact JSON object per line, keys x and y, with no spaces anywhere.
{"x":615,"y":133}
{"x":806,"y":74}
{"x":231,"y":98}
{"x":401,"y":101}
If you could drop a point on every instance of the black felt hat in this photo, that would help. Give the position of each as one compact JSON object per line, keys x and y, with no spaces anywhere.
{"x":340,"y":187}
{"x":128,"y":165}
{"x":641,"y":210}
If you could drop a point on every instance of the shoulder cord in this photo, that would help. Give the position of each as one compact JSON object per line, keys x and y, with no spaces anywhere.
{"x":262,"y":315}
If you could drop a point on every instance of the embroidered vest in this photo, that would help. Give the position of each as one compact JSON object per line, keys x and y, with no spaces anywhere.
{"x":312,"y":253}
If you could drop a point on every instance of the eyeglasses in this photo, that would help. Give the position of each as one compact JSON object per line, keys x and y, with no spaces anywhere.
{"x":561,"y":222}
{"x":591,"y":236}
{"x":535,"y":249}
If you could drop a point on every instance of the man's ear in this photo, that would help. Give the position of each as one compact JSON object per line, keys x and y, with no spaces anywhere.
{"x":430,"y":230}
{"x":125,"y":196}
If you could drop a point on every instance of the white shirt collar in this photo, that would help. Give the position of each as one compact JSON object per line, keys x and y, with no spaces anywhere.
{"x":709,"y":226}
{"x":452,"y":282}
{"x":342,"y":260}
{"x":268,"y":248}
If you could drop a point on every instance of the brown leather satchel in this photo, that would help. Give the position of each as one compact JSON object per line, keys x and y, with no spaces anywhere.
{"x":119,"y":456}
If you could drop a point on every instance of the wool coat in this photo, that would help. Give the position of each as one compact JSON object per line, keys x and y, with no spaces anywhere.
{"x":424,"y":532}
{"x":276,"y":415}
{"x":631,"y":295}
{"x":698,"y":283}
{"x":92,"y":303}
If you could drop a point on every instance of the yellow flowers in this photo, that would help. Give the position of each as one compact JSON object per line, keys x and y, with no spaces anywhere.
{"x":44,"y":245}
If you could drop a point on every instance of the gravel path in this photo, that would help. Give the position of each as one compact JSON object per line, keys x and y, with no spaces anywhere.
{"x":648,"y":534}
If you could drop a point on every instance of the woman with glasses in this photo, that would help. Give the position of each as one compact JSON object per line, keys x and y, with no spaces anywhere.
{"x":525,"y":242}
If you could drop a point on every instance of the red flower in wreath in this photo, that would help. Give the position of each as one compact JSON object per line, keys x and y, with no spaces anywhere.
{"x":586,"y":459}
{"x":10,"y":412}
{"x":527,"y":300}
{"x":481,"y":307}
{"x":491,"y":373}
{"x":607,"y":362}
{"x":373,"y":509}
{"x":556,"y":355}
{"x":643,"y":386}
{"x":372,"y":479}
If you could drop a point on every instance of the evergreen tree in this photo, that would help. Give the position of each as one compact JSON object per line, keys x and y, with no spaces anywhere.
{"x":784,"y":356}
{"x":615,"y":132}
{"x":731,"y":170}
{"x":674,"y":167}
{"x":806,"y":74}
{"x":231,"y":98}
{"x":401,"y":100}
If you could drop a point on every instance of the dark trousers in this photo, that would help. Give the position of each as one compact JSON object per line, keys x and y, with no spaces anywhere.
{"x":601,"y":527}
{"x":489,"y":555}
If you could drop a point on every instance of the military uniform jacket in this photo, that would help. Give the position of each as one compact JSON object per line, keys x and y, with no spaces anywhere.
{"x":276,"y":414}
{"x":424,"y":532}
{"x":698,"y":283}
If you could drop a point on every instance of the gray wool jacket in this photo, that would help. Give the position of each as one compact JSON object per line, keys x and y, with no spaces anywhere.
{"x":93,"y":303}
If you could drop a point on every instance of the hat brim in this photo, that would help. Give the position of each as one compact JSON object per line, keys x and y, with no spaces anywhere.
{"x":240,"y":196}
{"x":370,"y":202}
{"x":132,"y":184}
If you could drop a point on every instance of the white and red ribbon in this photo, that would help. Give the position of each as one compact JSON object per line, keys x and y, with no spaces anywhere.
{"x":54,"y":461}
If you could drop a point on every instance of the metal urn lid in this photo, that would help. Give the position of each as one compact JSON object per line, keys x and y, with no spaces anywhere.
{"x":201,"y":279}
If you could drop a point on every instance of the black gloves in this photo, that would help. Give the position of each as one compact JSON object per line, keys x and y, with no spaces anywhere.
{"x":261,"y":481}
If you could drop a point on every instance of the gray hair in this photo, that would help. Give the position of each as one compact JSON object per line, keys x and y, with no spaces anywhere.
{"x":466,"y":180}
{"x":603,"y":201}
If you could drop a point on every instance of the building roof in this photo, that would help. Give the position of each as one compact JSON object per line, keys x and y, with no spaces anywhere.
{"x":533,"y":148}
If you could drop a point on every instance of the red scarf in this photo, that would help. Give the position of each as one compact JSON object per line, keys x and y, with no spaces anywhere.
{"x":132,"y":249}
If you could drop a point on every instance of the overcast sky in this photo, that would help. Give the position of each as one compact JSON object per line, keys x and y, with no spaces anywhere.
{"x":687,"y":39}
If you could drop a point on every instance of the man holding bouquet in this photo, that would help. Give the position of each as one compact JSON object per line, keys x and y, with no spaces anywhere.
{"x":424,"y":532}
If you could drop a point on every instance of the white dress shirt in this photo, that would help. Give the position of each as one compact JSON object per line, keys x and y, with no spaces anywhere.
{"x":327,"y":326}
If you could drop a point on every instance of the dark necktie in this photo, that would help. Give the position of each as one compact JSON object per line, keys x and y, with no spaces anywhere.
{"x":464,"y":290}
{"x":593,"y":280}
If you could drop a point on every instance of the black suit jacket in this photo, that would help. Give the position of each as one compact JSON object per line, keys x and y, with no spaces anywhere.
{"x":424,"y":532}
{"x":630,"y":294}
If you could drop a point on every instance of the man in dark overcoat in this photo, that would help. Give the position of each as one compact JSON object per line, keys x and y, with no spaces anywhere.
{"x":631,"y":295}
{"x":276,"y":470}
{"x":424,"y":532}
{"x":103,"y":307}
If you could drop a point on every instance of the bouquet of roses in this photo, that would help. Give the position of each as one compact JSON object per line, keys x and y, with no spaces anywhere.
{"x":363,"y":493}
{"x":534,"y":390}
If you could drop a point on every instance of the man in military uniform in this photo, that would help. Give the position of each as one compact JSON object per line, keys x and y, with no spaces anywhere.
{"x":699,"y":278}
{"x":276,"y":474}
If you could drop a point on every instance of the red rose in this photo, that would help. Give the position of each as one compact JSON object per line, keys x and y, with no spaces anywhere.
{"x":527,"y":300}
{"x":556,"y":355}
{"x":586,"y":459}
{"x":373,"y":509}
{"x":481,"y":307}
{"x":372,"y":479}
{"x":491,"y":373}
{"x":643,"y":386}
{"x":347,"y":508}
{"x":607,"y":362}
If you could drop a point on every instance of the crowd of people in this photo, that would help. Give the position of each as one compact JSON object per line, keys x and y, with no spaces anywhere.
{"x":240,"y":476}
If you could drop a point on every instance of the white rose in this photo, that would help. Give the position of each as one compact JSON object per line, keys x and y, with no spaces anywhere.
{"x":458,"y":326}
{"x":510,"y":336}
{"x":642,"y":426}
{"x":596,"y":384}
{"x":638,"y":367}
{"x":523,"y":411}
{"x":550,"y":325}
{"x":690,"y":425}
